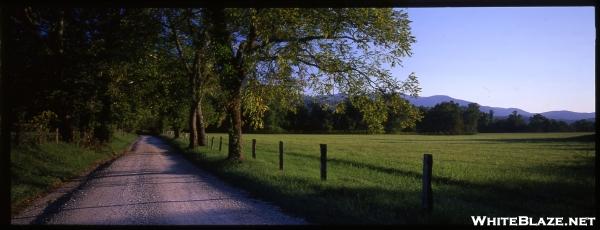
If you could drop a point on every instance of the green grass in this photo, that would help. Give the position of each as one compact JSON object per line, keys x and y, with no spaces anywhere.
{"x":35,"y":169}
{"x":376,"y":179}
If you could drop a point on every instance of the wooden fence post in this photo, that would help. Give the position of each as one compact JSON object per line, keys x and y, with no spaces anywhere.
{"x":427,"y":196}
{"x":254,"y":148}
{"x":323,"y":161}
{"x":56,"y":135}
{"x":220,"y":143}
{"x":212,"y":140}
{"x":280,"y":155}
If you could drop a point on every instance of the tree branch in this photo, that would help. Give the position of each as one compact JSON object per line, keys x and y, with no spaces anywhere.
{"x":175,"y":38}
{"x":34,"y":28}
{"x":306,"y":39}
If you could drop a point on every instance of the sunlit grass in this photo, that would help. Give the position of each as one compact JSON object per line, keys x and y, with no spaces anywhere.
{"x":377,"y":178}
{"x":37,"y":168}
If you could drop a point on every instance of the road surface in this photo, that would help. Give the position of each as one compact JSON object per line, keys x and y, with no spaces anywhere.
{"x":154,"y":186}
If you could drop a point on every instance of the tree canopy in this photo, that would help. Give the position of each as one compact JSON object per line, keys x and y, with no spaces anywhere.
{"x":265,"y":53}
{"x":188,"y":69}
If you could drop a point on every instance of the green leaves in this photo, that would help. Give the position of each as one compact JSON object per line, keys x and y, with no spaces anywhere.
{"x":134,"y":66}
{"x":254,"y":108}
{"x":371,"y":109}
{"x":324,"y":50}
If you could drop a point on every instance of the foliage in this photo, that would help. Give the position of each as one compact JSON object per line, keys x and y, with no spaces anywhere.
{"x":539,"y":123}
{"x":314,"y":116}
{"x":471,"y":118}
{"x":79,"y":63}
{"x":149,"y":69}
{"x":325,"y":50}
{"x":444,"y":118}
{"x":44,"y":121}
{"x":584,"y":126}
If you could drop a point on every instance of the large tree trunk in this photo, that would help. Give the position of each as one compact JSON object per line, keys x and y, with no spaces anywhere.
{"x":193,"y":140}
{"x":231,"y":81}
{"x":234,"y":112}
{"x":235,"y":128}
{"x":200,"y":125}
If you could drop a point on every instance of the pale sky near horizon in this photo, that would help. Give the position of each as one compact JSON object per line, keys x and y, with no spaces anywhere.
{"x":534,"y":58}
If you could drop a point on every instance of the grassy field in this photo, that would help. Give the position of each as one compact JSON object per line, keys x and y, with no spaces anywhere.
{"x":37,"y":168}
{"x":376,"y":179}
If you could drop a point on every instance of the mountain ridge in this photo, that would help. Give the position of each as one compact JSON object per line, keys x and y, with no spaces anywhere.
{"x":430,"y":101}
{"x":566,"y":115}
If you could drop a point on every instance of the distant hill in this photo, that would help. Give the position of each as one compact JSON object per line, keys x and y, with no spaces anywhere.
{"x":501,"y":112}
{"x":434,"y":100}
{"x":564,"y":114}
{"x":431,"y":101}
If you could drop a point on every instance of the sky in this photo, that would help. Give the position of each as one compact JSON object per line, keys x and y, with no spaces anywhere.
{"x":534,"y":58}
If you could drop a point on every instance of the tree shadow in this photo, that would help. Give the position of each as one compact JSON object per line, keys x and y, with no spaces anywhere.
{"x":509,"y":195}
{"x":457,"y":199}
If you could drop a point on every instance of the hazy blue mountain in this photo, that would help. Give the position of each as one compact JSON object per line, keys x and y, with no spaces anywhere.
{"x":498,"y":111}
{"x":434,"y":100}
{"x":501,"y":112}
{"x":563,"y":114}
{"x":504,"y":112}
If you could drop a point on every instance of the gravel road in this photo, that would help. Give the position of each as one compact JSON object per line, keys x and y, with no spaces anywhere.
{"x":153,"y":185}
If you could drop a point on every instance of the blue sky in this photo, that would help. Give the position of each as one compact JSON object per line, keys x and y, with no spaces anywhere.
{"x":535,"y":58}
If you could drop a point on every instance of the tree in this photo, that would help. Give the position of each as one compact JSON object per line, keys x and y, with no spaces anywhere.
{"x":187,"y":29}
{"x":484,"y":122}
{"x":471,"y":118}
{"x":401,"y":114}
{"x":348,"y":117}
{"x":445,"y":118}
{"x":515,"y":122}
{"x":559,"y":126}
{"x":584,"y":126}
{"x":539,"y":123}
{"x":101,"y":46}
{"x":324,"y":49}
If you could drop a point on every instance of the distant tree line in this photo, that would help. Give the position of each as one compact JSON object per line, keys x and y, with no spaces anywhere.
{"x":443,"y":118}
{"x":536,"y":123}
{"x":313,"y":116}
{"x":450,"y":118}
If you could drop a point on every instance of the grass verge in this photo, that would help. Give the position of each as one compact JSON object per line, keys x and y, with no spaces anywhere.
{"x":37,"y":169}
{"x":376,"y":179}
